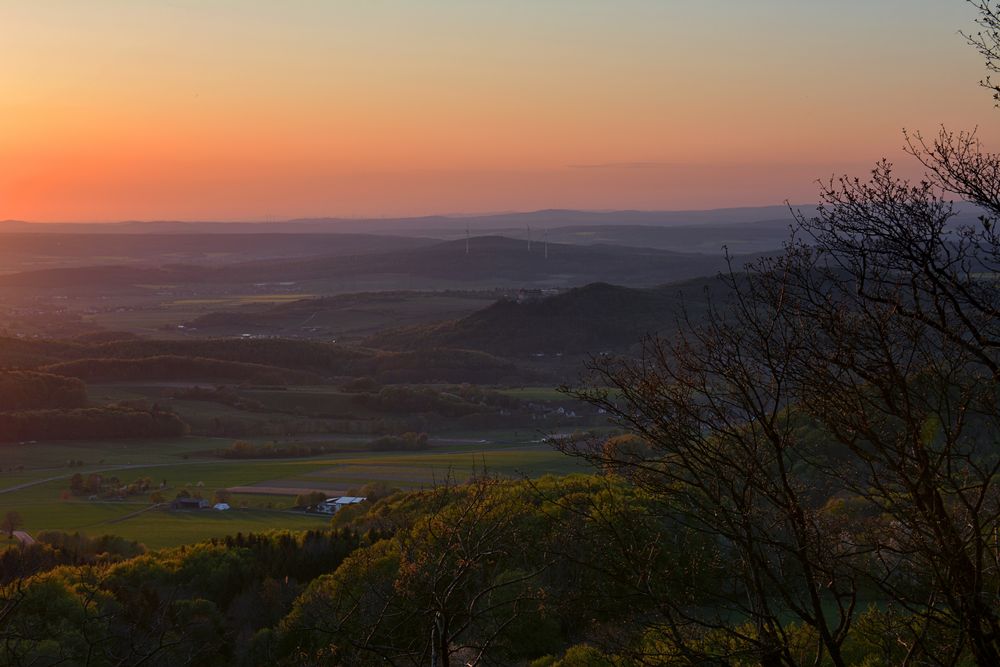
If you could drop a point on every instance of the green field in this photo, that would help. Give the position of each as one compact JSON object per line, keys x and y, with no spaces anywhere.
{"x":543,"y":393}
{"x":157,"y":310}
{"x":535,"y":393}
{"x":332,"y":412}
{"x":241,"y":300}
{"x":35,"y":480}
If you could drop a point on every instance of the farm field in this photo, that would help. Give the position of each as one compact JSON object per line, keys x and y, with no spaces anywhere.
{"x":35,"y":482}
{"x":332,"y":413}
{"x":241,"y":300}
{"x":535,"y":393}
{"x":146,"y":312}
{"x":349,"y":317}
{"x":158,"y":310}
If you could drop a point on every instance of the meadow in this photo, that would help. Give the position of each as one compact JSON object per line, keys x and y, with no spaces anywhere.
{"x":34,"y":481}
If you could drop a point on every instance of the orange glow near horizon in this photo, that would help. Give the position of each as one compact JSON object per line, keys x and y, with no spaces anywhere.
{"x":241,"y":110}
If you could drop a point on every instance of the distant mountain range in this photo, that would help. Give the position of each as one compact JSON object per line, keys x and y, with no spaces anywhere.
{"x":490,"y":260}
{"x":406,"y":226}
{"x":29,"y":246}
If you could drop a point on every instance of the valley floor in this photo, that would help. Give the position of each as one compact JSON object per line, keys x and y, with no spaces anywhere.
{"x":36,"y":476}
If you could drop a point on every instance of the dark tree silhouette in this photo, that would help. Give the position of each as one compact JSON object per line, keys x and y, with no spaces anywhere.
{"x":986,"y":40}
{"x":11,"y":521}
{"x":859,"y":368}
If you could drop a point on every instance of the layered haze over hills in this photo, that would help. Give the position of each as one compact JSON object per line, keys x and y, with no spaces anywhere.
{"x":558,"y":283}
{"x":279,"y":278}
{"x":423,"y":332}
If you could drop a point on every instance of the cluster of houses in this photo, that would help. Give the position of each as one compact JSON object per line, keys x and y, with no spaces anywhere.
{"x":197,"y":504}
{"x":328,"y":506}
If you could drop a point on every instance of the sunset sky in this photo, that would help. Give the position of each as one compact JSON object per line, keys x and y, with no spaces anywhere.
{"x":255,"y":109}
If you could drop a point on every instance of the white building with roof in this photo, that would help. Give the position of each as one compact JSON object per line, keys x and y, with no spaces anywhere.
{"x":332,"y":505}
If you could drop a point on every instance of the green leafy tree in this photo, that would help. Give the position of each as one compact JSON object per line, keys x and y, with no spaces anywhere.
{"x":310,"y":499}
{"x":453,"y":584}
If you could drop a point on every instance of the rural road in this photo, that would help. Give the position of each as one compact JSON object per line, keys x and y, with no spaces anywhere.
{"x":24,"y":538}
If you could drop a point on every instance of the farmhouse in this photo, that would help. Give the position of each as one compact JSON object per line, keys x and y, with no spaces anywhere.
{"x":331,"y":505}
{"x":189,"y":504}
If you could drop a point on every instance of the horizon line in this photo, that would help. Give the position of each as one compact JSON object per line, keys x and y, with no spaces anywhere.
{"x":345,"y":218}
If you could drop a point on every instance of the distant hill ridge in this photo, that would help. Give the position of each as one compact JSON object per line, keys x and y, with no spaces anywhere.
{"x":457,"y":221}
{"x":482,"y":258}
{"x":586,"y":320}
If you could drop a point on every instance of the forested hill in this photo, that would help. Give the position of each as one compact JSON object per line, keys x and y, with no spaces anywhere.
{"x":586,"y":320}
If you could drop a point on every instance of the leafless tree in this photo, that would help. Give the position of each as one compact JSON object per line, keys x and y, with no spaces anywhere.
{"x":723,"y":449}
{"x":876,"y":331}
{"x":986,"y":40}
{"x":900,"y":367}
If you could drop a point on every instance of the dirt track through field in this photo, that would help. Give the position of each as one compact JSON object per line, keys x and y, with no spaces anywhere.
{"x":135,"y":514}
{"x":283,"y":490}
